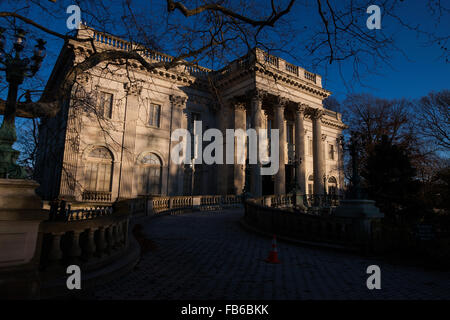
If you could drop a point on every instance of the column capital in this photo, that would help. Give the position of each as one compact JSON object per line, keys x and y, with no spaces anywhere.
{"x":133,"y":88}
{"x":241,"y":106}
{"x":300,"y":107}
{"x":324,"y":136}
{"x":258,"y":94}
{"x":281,"y":102}
{"x":177,"y":101}
{"x":317,"y":114}
{"x":237,"y":103}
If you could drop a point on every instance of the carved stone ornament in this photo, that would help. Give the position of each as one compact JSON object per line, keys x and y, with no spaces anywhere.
{"x":83,"y":79}
{"x":258,"y":94}
{"x":177,"y":101}
{"x":282,"y":102}
{"x":300,"y":107}
{"x":133,"y":88}
{"x":317,"y":113}
{"x":239,"y":105}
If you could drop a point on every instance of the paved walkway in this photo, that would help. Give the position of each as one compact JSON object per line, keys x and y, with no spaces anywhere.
{"x":207,"y":255}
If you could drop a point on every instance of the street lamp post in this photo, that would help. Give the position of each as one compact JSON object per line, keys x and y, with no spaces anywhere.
{"x":295,"y":162}
{"x":16,"y":69}
{"x":192,"y":176}
{"x":353,"y":147}
{"x":298,"y":198}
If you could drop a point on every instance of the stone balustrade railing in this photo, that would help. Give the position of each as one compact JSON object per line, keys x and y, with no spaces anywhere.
{"x":274,"y":215}
{"x":333,"y":114}
{"x":267,"y":59}
{"x":96,"y":196}
{"x":85,"y":213}
{"x":150,"y":205}
{"x":153,"y":56}
{"x":83,"y":241}
{"x":328,"y":200}
{"x":262,"y":57}
{"x":311,"y":201}
{"x":91,"y":238}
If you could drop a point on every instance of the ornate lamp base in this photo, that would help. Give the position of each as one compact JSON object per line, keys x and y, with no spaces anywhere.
{"x":8,"y":156}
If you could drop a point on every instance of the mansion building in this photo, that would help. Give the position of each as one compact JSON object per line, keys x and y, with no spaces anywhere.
{"x":112,"y":139}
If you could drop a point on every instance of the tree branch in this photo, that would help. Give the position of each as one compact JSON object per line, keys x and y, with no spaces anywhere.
{"x":172,"y":6}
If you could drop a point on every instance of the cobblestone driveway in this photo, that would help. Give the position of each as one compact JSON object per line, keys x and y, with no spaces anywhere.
{"x":207,"y":255}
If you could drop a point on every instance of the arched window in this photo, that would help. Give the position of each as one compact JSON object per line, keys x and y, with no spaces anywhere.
{"x":150,"y":181}
{"x":332,"y":186}
{"x":99,"y":170}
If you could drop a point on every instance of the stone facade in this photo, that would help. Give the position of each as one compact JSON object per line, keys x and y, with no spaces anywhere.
{"x":112,"y":139}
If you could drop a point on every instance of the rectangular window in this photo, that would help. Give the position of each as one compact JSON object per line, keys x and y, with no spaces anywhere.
{"x":154,"y":115}
{"x":269,"y":138}
{"x":290,"y":133}
{"x":106,"y":104}
{"x":331,"y":151}
{"x":192,"y":126}
{"x":310,"y":147}
{"x":91,"y":177}
{"x":269,"y":127}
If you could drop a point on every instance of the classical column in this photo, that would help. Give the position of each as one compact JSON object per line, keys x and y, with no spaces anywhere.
{"x":133,"y":91}
{"x":239,"y":169}
{"x":257,"y":120}
{"x":69,"y":189}
{"x":300,"y":146}
{"x":222,"y":119}
{"x":318,"y":154}
{"x":175,"y":171}
{"x":280,"y":177}
{"x":340,"y":155}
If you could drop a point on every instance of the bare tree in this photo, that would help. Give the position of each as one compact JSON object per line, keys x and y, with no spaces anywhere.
{"x":374,"y":117}
{"x":214,"y":33}
{"x":433,"y":117}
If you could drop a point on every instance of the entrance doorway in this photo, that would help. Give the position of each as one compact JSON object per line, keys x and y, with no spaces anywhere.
{"x":268,"y":183}
{"x":290,"y":177}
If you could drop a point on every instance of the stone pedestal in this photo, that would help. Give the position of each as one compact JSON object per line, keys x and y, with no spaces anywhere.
{"x":362,"y":212}
{"x":20,"y":241}
{"x":298,"y":201}
{"x":318,"y":152}
{"x":196,"y":202}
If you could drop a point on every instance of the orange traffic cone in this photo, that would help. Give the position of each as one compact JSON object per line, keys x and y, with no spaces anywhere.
{"x":273,"y":255}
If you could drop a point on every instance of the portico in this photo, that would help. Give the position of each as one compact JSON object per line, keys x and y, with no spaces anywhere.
{"x":268,"y":111}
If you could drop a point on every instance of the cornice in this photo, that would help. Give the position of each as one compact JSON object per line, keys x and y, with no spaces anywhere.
{"x":333,"y":123}
{"x":160,"y":73}
{"x":295,"y":83}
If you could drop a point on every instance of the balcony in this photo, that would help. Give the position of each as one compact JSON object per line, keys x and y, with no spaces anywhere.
{"x":289,"y":68}
{"x":96,"y":196}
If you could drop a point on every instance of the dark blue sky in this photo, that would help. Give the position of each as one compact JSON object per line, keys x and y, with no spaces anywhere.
{"x":422,"y":71}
